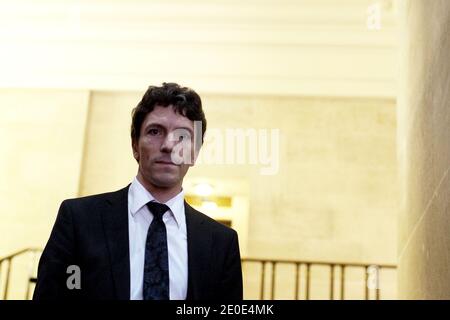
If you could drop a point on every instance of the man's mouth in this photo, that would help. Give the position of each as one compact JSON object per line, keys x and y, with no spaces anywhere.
{"x":165,"y":162}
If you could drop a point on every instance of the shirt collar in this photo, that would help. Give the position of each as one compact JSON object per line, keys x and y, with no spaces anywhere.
{"x":141,"y":196}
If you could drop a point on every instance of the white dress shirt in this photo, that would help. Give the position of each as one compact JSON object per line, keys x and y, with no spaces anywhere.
{"x":139,"y":220}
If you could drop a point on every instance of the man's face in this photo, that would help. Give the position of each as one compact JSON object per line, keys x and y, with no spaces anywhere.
{"x":165,"y":138}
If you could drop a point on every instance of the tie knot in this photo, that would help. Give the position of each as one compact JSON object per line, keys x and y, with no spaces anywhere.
{"x":158,"y":209}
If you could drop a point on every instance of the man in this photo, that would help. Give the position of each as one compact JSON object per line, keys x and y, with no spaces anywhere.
{"x":144,"y":241}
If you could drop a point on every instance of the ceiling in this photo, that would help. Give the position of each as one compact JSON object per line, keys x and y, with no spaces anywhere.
{"x":255,"y":47}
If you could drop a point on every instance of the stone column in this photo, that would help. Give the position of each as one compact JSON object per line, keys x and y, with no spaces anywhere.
{"x":424,"y":150}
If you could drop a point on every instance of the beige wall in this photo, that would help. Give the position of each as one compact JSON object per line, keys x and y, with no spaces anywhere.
{"x":41,"y":148}
{"x":108,"y":162}
{"x":424,"y":151}
{"x":41,"y":143}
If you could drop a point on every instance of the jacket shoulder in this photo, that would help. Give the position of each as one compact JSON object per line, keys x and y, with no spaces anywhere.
{"x":87,"y":203}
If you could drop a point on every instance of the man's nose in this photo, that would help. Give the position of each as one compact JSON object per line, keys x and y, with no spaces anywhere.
{"x":168,"y":143}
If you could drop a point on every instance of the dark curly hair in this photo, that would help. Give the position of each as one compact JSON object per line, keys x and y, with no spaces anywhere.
{"x":185,"y":101}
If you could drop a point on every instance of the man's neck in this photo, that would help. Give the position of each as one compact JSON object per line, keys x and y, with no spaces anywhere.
{"x":162,"y":195}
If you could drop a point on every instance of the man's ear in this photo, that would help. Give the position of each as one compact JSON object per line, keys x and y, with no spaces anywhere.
{"x":135,"y":150}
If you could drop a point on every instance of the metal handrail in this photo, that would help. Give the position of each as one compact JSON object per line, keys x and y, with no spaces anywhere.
{"x":18,"y":253}
{"x":309,"y":264}
{"x":324,"y":263}
{"x":9,"y":259}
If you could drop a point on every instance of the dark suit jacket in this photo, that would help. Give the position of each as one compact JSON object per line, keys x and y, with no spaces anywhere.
{"x":92,"y":233}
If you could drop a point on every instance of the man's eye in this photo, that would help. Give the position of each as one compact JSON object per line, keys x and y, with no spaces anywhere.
{"x":184,"y":137}
{"x":153,"y":132}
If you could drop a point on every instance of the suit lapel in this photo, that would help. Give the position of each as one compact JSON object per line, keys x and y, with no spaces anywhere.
{"x":199,"y":242}
{"x":115,"y":223}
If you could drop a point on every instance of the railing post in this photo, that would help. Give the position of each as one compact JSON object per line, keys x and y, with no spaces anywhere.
{"x":332,"y":282}
{"x":366,"y":283}
{"x":272,"y":290}
{"x":342,"y":281}
{"x":5,"y":295}
{"x":378,"y":289}
{"x":297,"y":280}
{"x":30,"y":274}
{"x":308,"y":267}
{"x":263,"y":274}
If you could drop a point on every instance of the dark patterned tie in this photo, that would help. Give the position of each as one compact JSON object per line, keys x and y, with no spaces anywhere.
{"x":156,"y":267}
